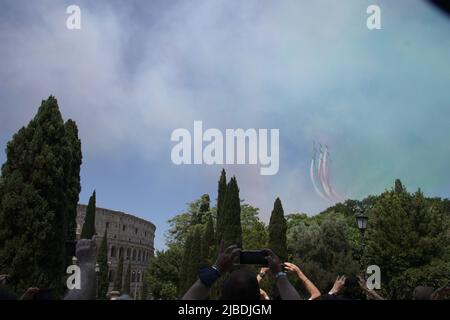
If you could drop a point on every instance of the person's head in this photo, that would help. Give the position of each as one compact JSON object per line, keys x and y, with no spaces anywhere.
{"x":241,"y":285}
{"x":423,"y":293}
{"x":327,"y":297}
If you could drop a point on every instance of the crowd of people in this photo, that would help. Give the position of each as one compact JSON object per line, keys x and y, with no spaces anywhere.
{"x":243,"y":284}
{"x":240,"y":283}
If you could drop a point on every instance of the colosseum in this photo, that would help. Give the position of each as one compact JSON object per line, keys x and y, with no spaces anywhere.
{"x":129,"y":237}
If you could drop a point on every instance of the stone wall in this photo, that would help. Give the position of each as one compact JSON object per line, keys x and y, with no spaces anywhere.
{"x":128,"y":236}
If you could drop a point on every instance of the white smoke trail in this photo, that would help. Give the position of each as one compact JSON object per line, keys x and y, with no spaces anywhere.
{"x":311,"y":174}
{"x":319,"y":174}
{"x":323,"y":174}
{"x":334,"y":194}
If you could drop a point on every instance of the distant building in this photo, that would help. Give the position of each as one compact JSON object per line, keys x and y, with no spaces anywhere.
{"x":129,"y":237}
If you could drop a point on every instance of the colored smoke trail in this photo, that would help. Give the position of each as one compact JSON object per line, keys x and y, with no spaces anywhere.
{"x":311,"y":174}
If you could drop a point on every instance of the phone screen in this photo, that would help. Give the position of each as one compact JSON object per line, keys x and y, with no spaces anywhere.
{"x":257,"y":257}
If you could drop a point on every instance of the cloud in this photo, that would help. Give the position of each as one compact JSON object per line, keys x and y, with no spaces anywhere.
{"x":138,"y":70}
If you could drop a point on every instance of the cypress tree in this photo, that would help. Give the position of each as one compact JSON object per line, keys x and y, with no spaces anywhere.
{"x":195,"y":257}
{"x":74,"y":185}
{"x":184,"y":274}
{"x":126,"y":284}
{"x":34,"y":201}
{"x":277,"y":231}
{"x":102,"y":259}
{"x":119,"y":276}
{"x":199,"y":213}
{"x":398,"y":186}
{"x":232,"y":233}
{"x":208,"y":242}
{"x":222,"y":190}
{"x":204,"y":205}
{"x":88,"y":230}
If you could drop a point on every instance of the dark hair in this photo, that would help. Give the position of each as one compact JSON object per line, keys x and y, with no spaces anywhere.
{"x":241,"y":285}
{"x":422,"y":293}
{"x":327,"y":297}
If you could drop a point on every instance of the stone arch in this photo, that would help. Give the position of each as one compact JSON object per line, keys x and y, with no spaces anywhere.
{"x":113,"y":252}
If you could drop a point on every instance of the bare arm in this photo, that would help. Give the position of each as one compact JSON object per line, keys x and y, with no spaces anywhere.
{"x":314,"y":293}
{"x":198,"y":291}
{"x":371,"y":294}
{"x":224,"y":263}
{"x":86,"y":255}
{"x":287,"y":291}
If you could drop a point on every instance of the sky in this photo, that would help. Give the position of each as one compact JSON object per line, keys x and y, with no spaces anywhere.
{"x":137,"y":70}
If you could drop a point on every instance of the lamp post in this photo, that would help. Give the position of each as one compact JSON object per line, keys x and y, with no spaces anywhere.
{"x":361,"y":221}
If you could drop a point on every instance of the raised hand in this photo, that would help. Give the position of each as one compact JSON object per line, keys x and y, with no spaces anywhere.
{"x":273,"y":262}
{"x":292,"y":268}
{"x":224,"y":262}
{"x":362,"y":283}
{"x":338,"y":285}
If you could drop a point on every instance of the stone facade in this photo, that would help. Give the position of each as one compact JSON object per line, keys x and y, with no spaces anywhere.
{"x":129,"y":237}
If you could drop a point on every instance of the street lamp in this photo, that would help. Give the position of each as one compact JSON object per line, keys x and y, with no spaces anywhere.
{"x":361,"y":222}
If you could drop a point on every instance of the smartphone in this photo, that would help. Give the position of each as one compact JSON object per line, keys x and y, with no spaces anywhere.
{"x":351,"y":282}
{"x":257,"y":257}
{"x":71,"y":248}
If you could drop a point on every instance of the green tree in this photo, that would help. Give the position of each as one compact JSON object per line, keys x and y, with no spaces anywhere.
{"x":181,"y":225}
{"x":118,"y":281}
{"x":398,"y":186}
{"x":37,"y":192}
{"x":277,"y":231}
{"x":163,"y":274}
{"x":208,"y":242}
{"x":74,"y":185}
{"x":254,"y":233}
{"x":195,"y":259}
{"x":88,"y":230}
{"x":199,"y":215}
{"x":221,"y":218}
{"x":321,"y":248}
{"x":102,"y":260}
{"x":404,"y":232}
{"x":232,"y":231}
{"x":435,"y":274}
{"x":185,"y":277}
{"x":126,"y":283}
